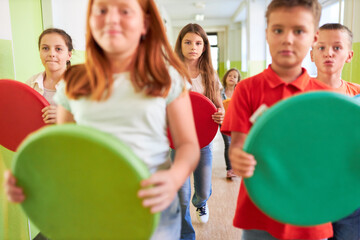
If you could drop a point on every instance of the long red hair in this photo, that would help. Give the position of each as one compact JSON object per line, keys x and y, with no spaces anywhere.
{"x":149,"y":67}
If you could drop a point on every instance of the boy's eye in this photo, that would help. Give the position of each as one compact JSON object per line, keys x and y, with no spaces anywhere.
{"x":337,"y":48}
{"x":298,"y":31}
{"x":45,"y":48}
{"x":277,"y":31}
{"x":321,"y":48}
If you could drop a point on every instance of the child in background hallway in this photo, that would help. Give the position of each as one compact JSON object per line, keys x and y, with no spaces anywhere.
{"x":229,"y":81}
{"x":193,"y":48}
{"x":291,"y":31}
{"x":136,"y":84}
{"x":55,"y":47}
{"x":330,"y":53}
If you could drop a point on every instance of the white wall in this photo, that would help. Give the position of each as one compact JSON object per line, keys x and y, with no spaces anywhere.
{"x":69,"y":15}
{"x":5,"y":25}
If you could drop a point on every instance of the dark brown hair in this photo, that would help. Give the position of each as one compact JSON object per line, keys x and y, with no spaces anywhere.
{"x":204,"y":64}
{"x":312,"y":5}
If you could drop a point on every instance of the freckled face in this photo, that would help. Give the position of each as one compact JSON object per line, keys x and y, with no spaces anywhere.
{"x":117,"y":25}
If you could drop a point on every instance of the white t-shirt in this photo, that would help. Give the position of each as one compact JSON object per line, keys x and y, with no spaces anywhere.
{"x":198,"y":86}
{"x":137,"y":120}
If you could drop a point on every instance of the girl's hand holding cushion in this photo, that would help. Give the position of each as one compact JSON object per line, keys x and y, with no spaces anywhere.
{"x":49,"y":114}
{"x":14,"y":193}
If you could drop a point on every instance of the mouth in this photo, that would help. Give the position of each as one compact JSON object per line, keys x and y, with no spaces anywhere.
{"x":286,"y":52}
{"x":328,"y":62}
{"x":112,"y":32}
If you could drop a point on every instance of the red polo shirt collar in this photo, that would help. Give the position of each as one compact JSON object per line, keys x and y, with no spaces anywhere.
{"x":274,"y":80}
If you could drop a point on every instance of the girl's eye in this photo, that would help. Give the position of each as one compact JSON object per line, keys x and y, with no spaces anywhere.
{"x":100,"y":10}
{"x":58,"y":49}
{"x":45,"y":48}
{"x":277,"y":31}
{"x":187,"y":42}
{"x":199,"y":43}
{"x":336,"y":48}
{"x":321,"y":48}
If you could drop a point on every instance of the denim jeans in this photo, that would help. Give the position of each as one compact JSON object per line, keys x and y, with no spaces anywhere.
{"x":347,"y":228}
{"x":202,"y":187}
{"x":257,"y":235}
{"x":227,"y":141}
{"x":170,"y":223}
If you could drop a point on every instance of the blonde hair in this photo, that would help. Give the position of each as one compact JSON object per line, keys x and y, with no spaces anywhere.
{"x":149,"y":68}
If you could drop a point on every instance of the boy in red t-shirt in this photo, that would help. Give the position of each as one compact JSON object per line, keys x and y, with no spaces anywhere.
{"x":331,"y":51}
{"x":291,"y":30}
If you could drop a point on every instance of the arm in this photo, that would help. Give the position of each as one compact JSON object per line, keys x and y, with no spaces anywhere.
{"x":63,"y":115}
{"x":218,"y":117}
{"x":167,"y":183}
{"x":242,"y":163}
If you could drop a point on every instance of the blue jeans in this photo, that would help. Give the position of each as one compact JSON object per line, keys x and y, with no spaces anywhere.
{"x":170,"y":223}
{"x":254,"y":234}
{"x":202,"y":187}
{"x":227,"y":141}
{"x":347,"y":228}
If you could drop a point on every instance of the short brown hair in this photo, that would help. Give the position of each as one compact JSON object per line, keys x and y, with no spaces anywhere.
{"x":340,"y":27}
{"x":312,"y":5}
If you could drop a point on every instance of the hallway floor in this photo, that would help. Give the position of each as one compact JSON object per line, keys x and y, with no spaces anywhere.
{"x":222,"y":202}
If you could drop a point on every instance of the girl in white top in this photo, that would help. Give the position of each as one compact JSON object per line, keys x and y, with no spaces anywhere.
{"x":55,"y":47}
{"x":132,"y":85}
{"x":193,"y":48}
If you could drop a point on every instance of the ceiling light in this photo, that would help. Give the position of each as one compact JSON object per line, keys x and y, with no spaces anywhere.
{"x":199,"y":5}
{"x":199,"y":17}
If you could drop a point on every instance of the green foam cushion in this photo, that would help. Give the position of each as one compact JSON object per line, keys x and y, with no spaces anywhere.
{"x":82,"y":184}
{"x":308,"y":154}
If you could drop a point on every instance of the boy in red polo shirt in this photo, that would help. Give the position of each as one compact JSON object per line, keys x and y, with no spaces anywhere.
{"x":331,"y":51}
{"x":291,"y":28}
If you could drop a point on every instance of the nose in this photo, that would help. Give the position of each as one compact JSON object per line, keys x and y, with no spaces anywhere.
{"x":112,"y":16}
{"x":328,"y":52}
{"x":52,"y":52}
{"x":288,"y":37}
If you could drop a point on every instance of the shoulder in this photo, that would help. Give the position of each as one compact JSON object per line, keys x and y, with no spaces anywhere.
{"x":37,"y":78}
{"x":353,"y":87}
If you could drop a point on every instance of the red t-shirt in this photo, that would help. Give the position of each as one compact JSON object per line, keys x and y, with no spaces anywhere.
{"x":267,"y":88}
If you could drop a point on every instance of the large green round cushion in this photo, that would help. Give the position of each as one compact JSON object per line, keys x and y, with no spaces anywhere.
{"x":308,"y":154}
{"x":82,"y":184}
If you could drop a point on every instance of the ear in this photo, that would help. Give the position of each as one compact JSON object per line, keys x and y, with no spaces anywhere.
{"x":350,"y":56}
{"x":311,"y":55}
{"x":316,"y":36}
{"x":70,"y":55}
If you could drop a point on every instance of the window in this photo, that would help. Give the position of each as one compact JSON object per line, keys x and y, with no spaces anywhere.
{"x":213,"y":40}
